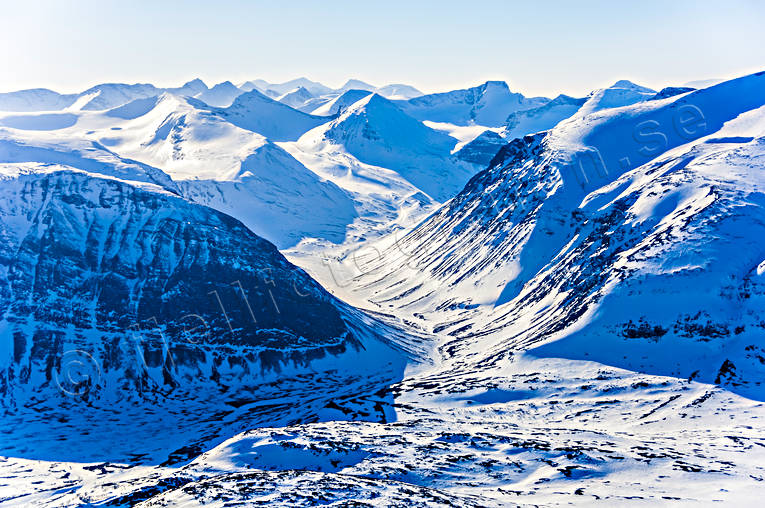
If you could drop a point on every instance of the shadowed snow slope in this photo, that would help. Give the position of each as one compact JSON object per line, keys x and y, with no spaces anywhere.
{"x":482,"y":149}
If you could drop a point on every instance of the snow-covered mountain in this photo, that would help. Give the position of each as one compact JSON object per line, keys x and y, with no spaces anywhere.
{"x":377,"y":132}
{"x":256,"y":112}
{"x":621,"y":93}
{"x":302,"y":94}
{"x":111,"y":95}
{"x":340,"y":103}
{"x":83,"y":155}
{"x":542,"y":118}
{"x":99,"y":97}
{"x":227,"y":158}
{"x":398,"y":92}
{"x":316,"y":89}
{"x":488,"y":104}
{"x":703,"y":83}
{"x":482,"y":149}
{"x":38,"y":99}
{"x":121,"y":297}
{"x":235,"y":170}
{"x":595,"y":237}
{"x":528,"y":301}
{"x":191,"y":88}
{"x":221,"y":95}
{"x":312,"y":97}
{"x":128,"y":254}
{"x":103,"y":96}
{"x":392,"y":92}
{"x":296,"y":98}
{"x":671,"y":91}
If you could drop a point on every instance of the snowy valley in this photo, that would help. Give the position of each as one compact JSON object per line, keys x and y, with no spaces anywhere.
{"x":285,"y":293}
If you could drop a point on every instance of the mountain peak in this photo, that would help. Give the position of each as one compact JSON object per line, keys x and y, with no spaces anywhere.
{"x":221,"y":95}
{"x":341,"y":103}
{"x":488,"y":105}
{"x":300,"y":91}
{"x":357,"y":84}
{"x":193,"y":87}
{"x":622,"y":93}
{"x":256,"y":112}
{"x":224,"y":84}
{"x":277,"y":89}
{"x":373,"y":106}
{"x":194,"y":83}
{"x":398,"y":91}
{"x":625,"y":83}
{"x":251,"y":97}
{"x":375,"y":99}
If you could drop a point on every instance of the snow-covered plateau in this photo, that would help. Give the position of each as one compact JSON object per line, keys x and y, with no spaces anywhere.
{"x":288,"y":294}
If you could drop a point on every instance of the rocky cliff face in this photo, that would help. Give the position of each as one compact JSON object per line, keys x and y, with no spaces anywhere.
{"x":154,"y":290}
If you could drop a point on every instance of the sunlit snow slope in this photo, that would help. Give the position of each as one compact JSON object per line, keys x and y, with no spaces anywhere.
{"x":597,"y":237}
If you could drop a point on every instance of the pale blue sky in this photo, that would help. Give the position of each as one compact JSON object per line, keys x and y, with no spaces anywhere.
{"x":538,"y":47}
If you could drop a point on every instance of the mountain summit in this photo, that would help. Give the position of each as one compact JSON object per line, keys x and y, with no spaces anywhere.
{"x":488,"y":104}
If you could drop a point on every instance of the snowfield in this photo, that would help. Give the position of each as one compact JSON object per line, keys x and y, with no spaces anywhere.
{"x":286,"y":294}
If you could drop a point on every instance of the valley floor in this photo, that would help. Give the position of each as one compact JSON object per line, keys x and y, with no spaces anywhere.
{"x":522,"y":431}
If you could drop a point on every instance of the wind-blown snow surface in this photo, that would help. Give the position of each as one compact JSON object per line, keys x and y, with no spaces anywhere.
{"x":580,"y":322}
